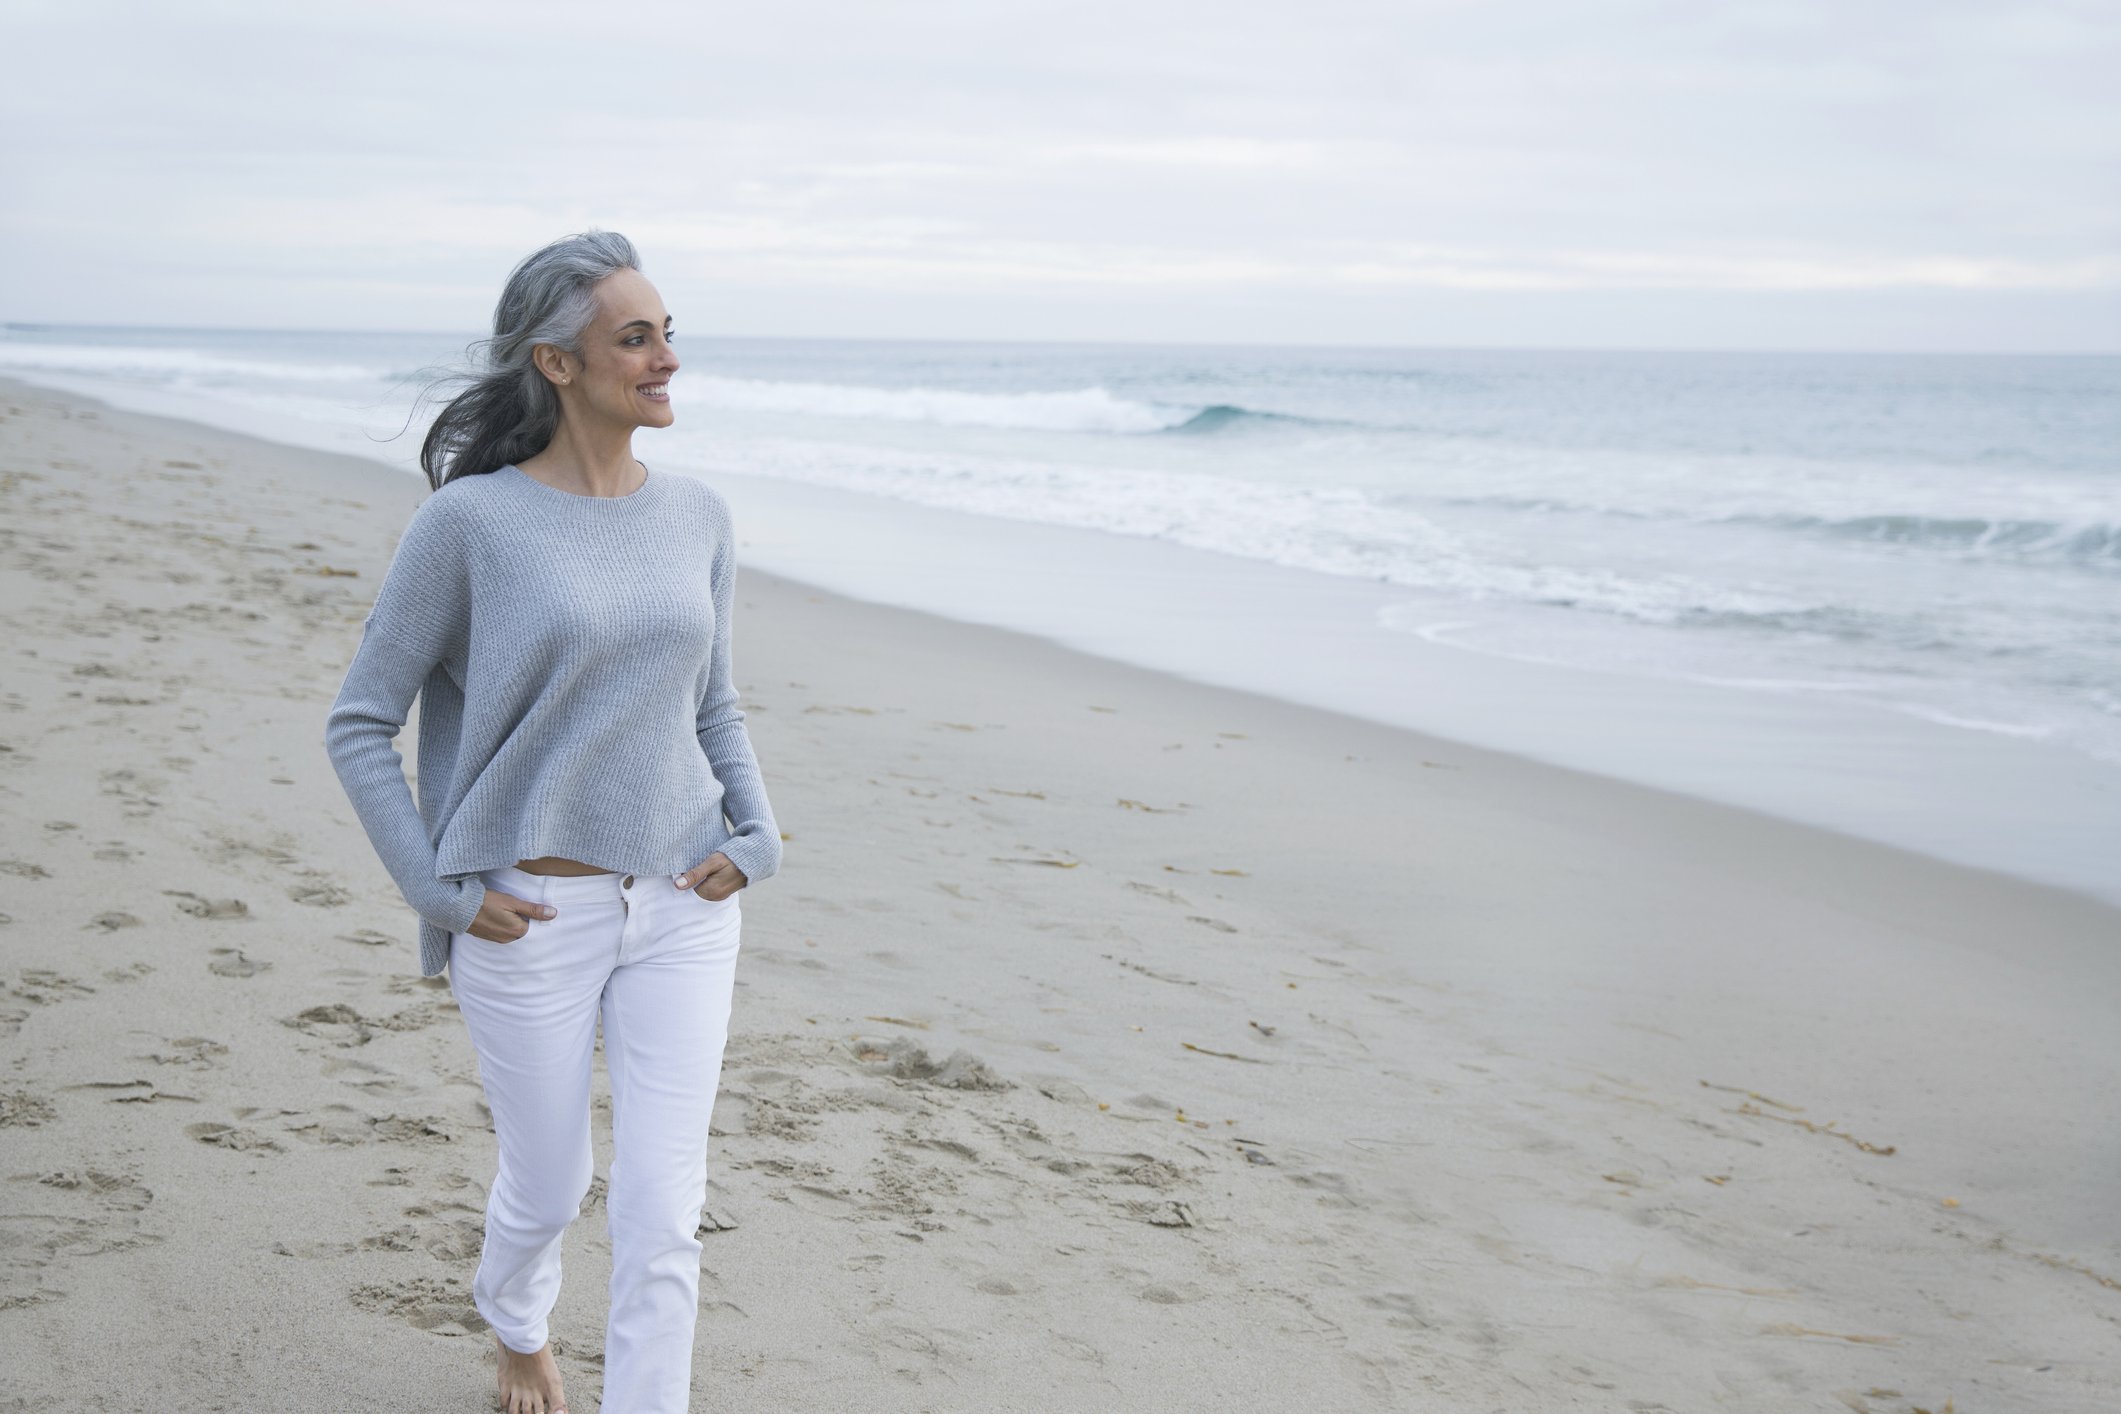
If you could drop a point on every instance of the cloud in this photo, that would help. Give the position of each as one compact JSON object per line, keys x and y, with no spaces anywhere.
{"x":1185,"y":163}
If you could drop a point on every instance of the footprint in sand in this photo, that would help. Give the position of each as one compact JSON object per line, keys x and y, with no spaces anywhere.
{"x":347,"y":1126}
{"x":111,"y":922}
{"x":230,"y":962}
{"x":343,"y":1026}
{"x":191,"y":1052}
{"x":1167,"y":1294}
{"x":902,"y":1059}
{"x":431,"y":1304}
{"x":228,"y":1136}
{"x":22,"y":1109}
{"x":139,"y":790}
{"x":98,"y":1211}
{"x":40,"y":987}
{"x":218,"y":908}
{"x":362,"y":1076}
{"x":319,"y":893}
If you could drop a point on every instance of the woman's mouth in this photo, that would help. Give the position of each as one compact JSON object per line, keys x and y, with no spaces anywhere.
{"x":654,"y":392}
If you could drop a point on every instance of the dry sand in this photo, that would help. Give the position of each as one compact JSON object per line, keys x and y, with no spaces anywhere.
{"x":1107,"y":1041}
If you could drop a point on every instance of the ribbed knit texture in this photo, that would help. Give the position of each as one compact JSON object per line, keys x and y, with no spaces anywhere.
{"x":571,"y":656}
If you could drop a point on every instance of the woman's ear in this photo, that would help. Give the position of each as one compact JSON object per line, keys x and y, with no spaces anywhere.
{"x":552,"y":361}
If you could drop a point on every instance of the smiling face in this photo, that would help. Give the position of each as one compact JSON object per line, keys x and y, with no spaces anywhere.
{"x":621,"y":378}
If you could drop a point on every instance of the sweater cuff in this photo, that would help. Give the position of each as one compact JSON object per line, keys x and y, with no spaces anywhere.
{"x":757,"y":854}
{"x":457,"y":903}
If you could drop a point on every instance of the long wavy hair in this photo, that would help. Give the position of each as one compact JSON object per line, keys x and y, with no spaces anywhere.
{"x":506,"y":409}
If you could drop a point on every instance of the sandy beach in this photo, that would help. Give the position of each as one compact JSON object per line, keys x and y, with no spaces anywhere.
{"x":1106,"y":1041}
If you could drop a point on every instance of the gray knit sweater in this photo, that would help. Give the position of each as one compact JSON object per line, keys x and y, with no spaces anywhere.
{"x":571,"y":655}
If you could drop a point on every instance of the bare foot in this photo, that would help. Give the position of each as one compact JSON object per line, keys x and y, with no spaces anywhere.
{"x":530,"y":1384}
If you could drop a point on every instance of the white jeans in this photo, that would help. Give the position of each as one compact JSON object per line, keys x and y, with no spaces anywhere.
{"x":658,"y":964}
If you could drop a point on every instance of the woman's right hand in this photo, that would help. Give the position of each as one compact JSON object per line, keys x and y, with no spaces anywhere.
{"x":504,"y":918}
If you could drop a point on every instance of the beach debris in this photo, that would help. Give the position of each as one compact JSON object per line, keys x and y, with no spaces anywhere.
{"x":1251,"y":1152}
{"x":899,"y":1021}
{"x":1719,"y":1179}
{"x":1754,"y":1095}
{"x":1051,"y":861}
{"x":2071,"y":1264}
{"x":1262,"y":1030}
{"x":334,"y":572}
{"x":1827,"y":1128}
{"x":1785,"y":1328}
{"x":959,"y":726}
{"x":1026,"y":794}
{"x":1949,"y":1202}
{"x":1226,"y":1055}
{"x":1216,"y":923}
{"x":1696,"y":1284}
{"x":1231,"y":873}
{"x":1127,"y":804}
{"x":1152,"y":972}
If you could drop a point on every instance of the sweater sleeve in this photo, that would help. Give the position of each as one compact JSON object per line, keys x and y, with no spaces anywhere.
{"x":421,"y":609}
{"x":755,"y":844}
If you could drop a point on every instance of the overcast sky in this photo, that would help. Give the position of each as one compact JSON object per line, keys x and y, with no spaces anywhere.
{"x":1896,"y":174}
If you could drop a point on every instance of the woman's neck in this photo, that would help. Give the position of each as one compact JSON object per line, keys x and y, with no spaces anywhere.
{"x":588,"y":462}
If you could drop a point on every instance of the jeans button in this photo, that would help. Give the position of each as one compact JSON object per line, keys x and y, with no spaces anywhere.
{"x":627,"y":882}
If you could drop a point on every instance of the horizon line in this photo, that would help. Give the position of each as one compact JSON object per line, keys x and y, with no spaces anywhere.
{"x":33,"y":325}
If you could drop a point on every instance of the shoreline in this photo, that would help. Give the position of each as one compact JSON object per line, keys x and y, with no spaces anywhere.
{"x":1428,"y":1071}
{"x":1976,"y":798}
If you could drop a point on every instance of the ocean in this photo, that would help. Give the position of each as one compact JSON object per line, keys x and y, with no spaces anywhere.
{"x":1880,"y":593}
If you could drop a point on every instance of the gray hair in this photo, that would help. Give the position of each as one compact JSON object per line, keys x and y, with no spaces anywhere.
{"x":507,"y":410}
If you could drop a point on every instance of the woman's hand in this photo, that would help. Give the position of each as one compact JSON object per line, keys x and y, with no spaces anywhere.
{"x":714,"y":880}
{"x":504,"y":918}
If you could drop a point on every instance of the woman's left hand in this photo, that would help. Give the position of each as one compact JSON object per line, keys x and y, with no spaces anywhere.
{"x":714,"y":880}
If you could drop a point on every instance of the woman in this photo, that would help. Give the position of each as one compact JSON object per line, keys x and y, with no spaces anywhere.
{"x":589,"y":804}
